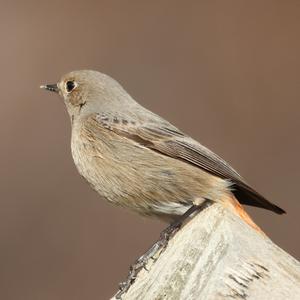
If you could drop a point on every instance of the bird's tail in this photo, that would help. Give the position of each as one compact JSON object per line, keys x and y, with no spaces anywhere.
{"x":248,"y":196}
{"x":240,"y":211}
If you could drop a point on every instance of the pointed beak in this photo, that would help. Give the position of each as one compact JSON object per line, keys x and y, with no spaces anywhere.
{"x":50,"y":87}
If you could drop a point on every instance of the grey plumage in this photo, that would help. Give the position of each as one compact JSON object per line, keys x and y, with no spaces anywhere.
{"x":136,"y":159}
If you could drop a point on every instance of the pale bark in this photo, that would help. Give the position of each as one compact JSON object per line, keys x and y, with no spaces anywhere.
{"x":218,"y":256}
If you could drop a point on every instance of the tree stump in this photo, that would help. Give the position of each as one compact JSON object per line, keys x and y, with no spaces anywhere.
{"x":216,"y":255}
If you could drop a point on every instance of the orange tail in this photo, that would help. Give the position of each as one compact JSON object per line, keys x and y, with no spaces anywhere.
{"x":239,"y":210}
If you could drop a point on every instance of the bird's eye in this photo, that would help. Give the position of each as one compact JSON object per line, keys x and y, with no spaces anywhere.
{"x":70,"y":86}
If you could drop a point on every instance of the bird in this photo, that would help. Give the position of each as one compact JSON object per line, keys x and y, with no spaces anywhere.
{"x":137,"y":160}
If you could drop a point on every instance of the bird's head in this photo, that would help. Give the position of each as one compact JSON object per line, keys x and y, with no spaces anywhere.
{"x":86,"y":92}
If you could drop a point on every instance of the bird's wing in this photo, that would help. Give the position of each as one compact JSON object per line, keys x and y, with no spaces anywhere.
{"x":163,"y":137}
{"x":170,"y":141}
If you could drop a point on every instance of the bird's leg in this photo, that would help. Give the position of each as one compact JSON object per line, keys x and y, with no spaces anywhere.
{"x":158,"y":247}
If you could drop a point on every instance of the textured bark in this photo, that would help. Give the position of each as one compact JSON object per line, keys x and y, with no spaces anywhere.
{"x":218,"y":256}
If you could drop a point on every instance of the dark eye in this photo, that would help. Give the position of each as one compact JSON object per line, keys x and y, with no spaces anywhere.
{"x":70,"y":86}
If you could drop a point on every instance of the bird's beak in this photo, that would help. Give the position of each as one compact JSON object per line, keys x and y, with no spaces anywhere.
{"x":50,"y":87}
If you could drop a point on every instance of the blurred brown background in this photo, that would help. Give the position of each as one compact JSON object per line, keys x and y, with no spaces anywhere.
{"x":225,"y":72}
